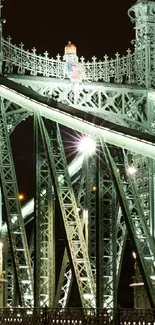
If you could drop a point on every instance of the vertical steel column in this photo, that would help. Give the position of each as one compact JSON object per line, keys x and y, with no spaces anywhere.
{"x":90,"y":202}
{"x":44,"y":245}
{"x":150,"y":165}
{"x":106,"y":236}
{"x":10,"y":292}
{"x":16,"y":229}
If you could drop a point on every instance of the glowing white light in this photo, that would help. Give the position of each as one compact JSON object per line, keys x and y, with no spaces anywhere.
{"x":1,"y":245}
{"x":138,"y":284}
{"x":134,"y":255}
{"x":85,"y":215}
{"x":61,"y":179}
{"x":88,"y":296}
{"x":87,"y":145}
{"x":29,"y":312}
{"x":131,"y":170}
{"x":105,"y":304}
{"x":14,"y":219}
{"x":152,"y":277}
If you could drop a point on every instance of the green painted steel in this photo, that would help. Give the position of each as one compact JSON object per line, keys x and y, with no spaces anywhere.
{"x":69,"y":210}
{"x":138,"y":229}
{"x":120,"y":91}
{"x":44,"y":216}
{"x":17,"y":234}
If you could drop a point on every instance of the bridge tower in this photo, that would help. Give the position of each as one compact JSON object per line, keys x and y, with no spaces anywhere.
{"x":100,"y":202}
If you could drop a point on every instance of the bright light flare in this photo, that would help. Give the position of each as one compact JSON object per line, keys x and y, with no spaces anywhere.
{"x":131,"y":170}
{"x":87,"y":145}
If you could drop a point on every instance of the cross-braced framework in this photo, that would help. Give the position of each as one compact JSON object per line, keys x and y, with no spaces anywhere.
{"x":97,"y":199}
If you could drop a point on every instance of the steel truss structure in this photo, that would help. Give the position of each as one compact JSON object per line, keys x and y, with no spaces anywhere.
{"x":97,"y":199}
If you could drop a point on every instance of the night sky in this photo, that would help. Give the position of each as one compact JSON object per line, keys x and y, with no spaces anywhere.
{"x":96,"y":28}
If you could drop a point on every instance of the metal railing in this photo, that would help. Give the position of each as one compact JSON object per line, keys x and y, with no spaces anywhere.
{"x":18,"y":60}
{"x":76,"y":316}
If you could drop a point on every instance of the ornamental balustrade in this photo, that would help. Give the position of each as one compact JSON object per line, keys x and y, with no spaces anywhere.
{"x":122,"y":69}
{"x":76,"y":316}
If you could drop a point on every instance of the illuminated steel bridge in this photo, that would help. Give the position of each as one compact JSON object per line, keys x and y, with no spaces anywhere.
{"x":101,"y":197}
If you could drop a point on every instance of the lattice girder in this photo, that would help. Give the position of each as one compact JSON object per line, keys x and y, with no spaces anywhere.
{"x":107,"y":241}
{"x":64,"y":283}
{"x":137,"y":226}
{"x":81,"y":192}
{"x":121,"y":235}
{"x":121,"y":230}
{"x":14,"y":115}
{"x":90,"y":209}
{"x":141,"y":181}
{"x":86,"y":202}
{"x":14,"y":218}
{"x":125,"y":105}
{"x":44,"y":244}
{"x":72,"y":222}
{"x":9,"y":290}
{"x":65,"y":277}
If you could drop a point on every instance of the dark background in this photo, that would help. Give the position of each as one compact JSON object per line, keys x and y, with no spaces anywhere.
{"x":96,"y":28}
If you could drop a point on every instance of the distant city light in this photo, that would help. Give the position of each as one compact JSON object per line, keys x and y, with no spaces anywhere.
{"x":94,"y":188}
{"x":87,"y":145}
{"x":21,"y":196}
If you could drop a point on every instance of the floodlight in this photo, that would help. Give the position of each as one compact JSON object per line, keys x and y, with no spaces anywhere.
{"x":87,"y":145}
